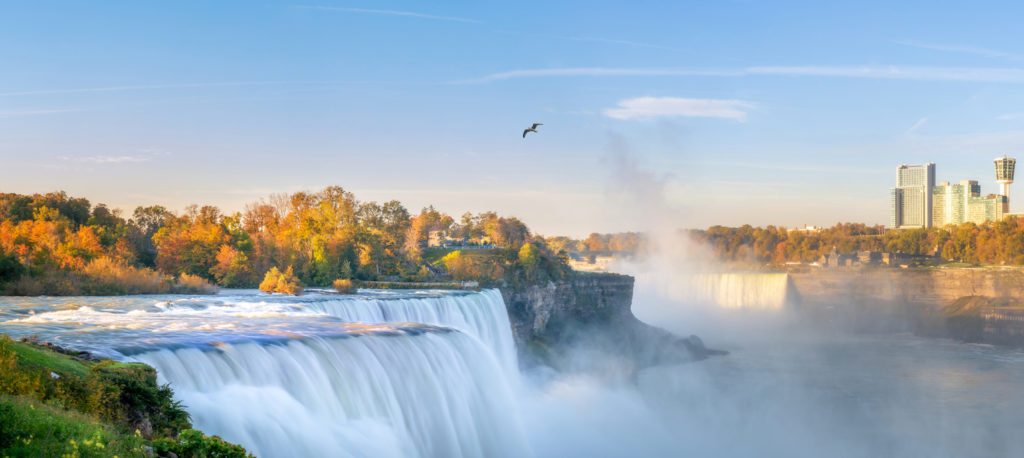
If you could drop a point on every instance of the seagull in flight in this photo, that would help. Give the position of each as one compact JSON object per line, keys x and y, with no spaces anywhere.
{"x":532,"y":128}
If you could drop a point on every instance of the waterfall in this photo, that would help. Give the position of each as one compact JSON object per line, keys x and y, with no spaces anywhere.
{"x":433,"y":393}
{"x":379,"y":373}
{"x":481,"y":315}
{"x":744,"y":290}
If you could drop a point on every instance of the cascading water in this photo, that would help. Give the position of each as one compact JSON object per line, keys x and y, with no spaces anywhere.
{"x":435,"y":393}
{"x":480,"y":315}
{"x":376,"y":374}
{"x":740,"y":290}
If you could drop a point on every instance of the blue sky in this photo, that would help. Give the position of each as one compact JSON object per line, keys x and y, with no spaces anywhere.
{"x":695,"y":113}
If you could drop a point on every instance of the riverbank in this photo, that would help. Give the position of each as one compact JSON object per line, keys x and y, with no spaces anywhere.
{"x":59,"y":402}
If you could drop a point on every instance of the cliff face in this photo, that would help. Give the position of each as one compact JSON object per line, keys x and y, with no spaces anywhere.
{"x":591,"y":313}
{"x":906,"y":300}
{"x":925,"y":288}
{"x":545,"y":312}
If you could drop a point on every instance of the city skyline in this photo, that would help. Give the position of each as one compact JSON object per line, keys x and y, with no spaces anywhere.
{"x":691,"y":115}
{"x":920,"y":201}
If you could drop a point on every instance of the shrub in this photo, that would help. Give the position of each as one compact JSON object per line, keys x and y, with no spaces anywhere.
{"x":344,"y":286}
{"x":107,"y":276}
{"x":194,"y":284}
{"x":285,"y":282}
{"x":192,"y":443}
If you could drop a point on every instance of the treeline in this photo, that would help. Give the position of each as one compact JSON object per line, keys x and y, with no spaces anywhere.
{"x":629,"y":242}
{"x":57,"y":244}
{"x":991,"y":243}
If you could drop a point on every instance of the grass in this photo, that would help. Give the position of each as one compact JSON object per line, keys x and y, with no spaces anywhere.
{"x":32,"y":428}
{"x":33,"y":357}
{"x":55,"y":403}
{"x":433,"y":255}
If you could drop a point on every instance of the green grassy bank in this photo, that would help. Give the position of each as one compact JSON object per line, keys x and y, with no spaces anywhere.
{"x":55,"y":402}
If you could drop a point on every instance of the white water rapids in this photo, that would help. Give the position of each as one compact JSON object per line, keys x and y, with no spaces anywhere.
{"x":433,"y":374}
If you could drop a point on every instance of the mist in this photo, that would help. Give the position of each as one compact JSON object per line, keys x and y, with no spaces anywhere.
{"x":788,"y":387}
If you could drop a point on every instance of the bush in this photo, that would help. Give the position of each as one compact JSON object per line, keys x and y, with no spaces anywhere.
{"x":105,"y":276}
{"x":192,"y":443}
{"x":194,"y":284}
{"x":285,"y":282}
{"x":10,"y":268}
{"x":345,"y":286}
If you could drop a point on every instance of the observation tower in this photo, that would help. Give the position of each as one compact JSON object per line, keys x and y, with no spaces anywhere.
{"x":1004,"y":174}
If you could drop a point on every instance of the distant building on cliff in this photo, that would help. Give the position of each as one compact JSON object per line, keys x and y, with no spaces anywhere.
{"x":946,"y":203}
{"x":910,"y":201}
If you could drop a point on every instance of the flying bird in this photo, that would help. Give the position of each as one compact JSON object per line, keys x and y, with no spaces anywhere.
{"x":532,"y":128}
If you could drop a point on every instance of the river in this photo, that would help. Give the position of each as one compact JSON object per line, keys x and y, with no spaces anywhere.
{"x":432,"y":373}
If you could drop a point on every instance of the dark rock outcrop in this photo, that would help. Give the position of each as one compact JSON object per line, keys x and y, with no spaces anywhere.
{"x":575,"y":323}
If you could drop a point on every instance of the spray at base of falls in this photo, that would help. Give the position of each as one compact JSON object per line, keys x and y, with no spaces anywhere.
{"x":429,"y":394}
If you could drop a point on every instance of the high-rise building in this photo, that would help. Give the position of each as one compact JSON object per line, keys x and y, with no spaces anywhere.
{"x":911,"y":200}
{"x":917,"y":202}
{"x":950,"y":202}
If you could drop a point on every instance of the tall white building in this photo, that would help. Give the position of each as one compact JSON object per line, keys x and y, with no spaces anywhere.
{"x":911,"y":200}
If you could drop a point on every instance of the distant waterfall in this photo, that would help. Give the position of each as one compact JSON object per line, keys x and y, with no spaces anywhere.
{"x":433,"y":393}
{"x":480,"y":315}
{"x":747,"y":290}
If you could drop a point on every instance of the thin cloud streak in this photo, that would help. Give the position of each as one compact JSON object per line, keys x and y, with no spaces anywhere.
{"x":984,"y":52}
{"x":956,"y":74}
{"x":35,"y":112}
{"x":108,"y":159}
{"x":962,"y":74}
{"x":618,"y":42}
{"x":142,"y":87}
{"x":644,"y":108}
{"x":393,"y":13}
{"x":917,"y":125}
{"x":596,"y":71}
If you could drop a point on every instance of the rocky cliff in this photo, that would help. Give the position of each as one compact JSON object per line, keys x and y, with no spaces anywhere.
{"x":591,"y":314}
{"x":904,"y":300}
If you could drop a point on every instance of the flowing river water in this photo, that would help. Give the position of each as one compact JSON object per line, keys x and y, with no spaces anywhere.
{"x":432,"y":373}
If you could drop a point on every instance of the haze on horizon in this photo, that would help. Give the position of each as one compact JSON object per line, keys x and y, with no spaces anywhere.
{"x":733,"y":112}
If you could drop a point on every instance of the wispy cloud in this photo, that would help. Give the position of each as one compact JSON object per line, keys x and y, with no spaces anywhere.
{"x":958,"y":74}
{"x":141,"y":87}
{"x":393,"y":13}
{"x":963,"y":74}
{"x":1010,"y":116}
{"x":636,"y":44}
{"x":108,"y":159}
{"x":978,"y":51}
{"x":653,"y":107}
{"x":596,"y":71}
{"x":34,"y":112}
{"x":917,"y":125}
